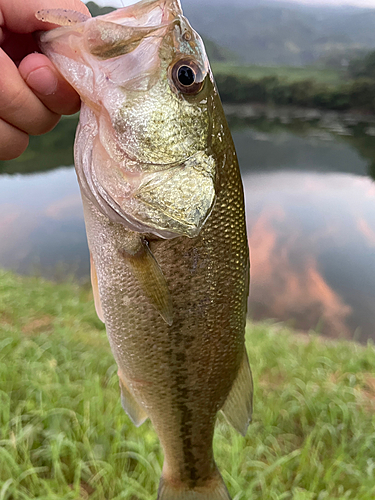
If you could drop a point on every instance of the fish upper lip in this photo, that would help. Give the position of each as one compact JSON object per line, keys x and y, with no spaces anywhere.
{"x":170,"y":10}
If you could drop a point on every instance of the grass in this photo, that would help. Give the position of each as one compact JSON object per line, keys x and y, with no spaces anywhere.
{"x":63,"y":434}
{"x":289,"y":74}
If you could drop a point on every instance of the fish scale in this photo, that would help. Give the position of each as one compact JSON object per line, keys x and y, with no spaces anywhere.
{"x":205,"y":342}
{"x":168,"y":244}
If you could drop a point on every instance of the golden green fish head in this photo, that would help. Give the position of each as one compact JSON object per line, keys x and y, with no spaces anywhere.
{"x":143,"y":148}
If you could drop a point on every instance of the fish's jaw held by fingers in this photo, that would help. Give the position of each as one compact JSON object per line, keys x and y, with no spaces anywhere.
{"x":214,"y":489}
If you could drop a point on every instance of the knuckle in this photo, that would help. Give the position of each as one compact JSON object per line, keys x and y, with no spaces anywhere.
{"x":12,"y":101}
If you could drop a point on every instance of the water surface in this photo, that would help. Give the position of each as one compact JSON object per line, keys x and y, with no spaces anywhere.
{"x":310,"y":204}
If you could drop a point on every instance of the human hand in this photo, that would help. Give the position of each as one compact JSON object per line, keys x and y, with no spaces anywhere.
{"x":33,"y":95}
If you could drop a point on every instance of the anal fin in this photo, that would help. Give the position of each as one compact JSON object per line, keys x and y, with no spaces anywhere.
{"x":95,"y":290}
{"x":134,"y":410}
{"x":238,"y":407}
{"x":150,"y":277}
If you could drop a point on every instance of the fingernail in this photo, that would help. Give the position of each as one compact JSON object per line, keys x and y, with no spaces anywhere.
{"x":42,"y":80}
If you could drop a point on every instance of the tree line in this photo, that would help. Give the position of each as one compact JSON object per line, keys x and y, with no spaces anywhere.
{"x":356,"y":92}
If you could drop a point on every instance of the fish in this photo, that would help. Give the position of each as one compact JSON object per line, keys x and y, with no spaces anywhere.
{"x":165,"y":219}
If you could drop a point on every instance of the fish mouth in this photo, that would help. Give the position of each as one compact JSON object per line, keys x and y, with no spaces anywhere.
{"x":144,"y":15}
{"x":121,"y":31}
{"x":173,"y":200}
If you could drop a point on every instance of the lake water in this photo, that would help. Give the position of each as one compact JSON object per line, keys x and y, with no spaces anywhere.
{"x":310,"y":203}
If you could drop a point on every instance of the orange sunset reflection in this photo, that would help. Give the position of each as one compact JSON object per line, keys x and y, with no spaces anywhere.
{"x":295,"y":224}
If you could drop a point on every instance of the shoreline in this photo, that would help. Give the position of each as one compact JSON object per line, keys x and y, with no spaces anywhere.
{"x":254,"y":110}
{"x":81,"y":290}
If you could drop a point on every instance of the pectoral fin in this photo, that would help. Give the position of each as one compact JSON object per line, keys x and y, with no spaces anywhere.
{"x":239,"y":405}
{"x":95,"y":290}
{"x":61,"y":17}
{"x":150,"y":277}
{"x":134,"y":410}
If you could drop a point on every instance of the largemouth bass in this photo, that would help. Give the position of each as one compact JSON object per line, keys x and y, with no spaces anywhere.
{"x":165,"y":220}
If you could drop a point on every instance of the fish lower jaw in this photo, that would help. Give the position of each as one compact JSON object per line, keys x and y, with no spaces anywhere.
{"x":141,"y":216}
{"x":175,"y":228}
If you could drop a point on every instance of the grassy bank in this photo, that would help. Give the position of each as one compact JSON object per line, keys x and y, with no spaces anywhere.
{"x":63,"y":434}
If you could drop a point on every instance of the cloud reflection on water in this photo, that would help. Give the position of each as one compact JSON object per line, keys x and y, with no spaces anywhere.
{"x":311,"y":225}
{"x":301,"y":226}
{"x":41,"y":223}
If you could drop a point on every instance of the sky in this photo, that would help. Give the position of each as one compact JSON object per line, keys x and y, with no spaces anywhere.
{"x":356,"y":3}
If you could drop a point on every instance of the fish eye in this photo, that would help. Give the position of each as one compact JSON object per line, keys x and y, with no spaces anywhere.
{"x":187,"y":77}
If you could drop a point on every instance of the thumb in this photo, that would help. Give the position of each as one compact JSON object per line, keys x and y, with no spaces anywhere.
{"x":48,"y":85}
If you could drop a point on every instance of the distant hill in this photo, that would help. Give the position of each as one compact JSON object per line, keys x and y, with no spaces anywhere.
{"x":267,"y":32}
{"x":217,"y":53}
